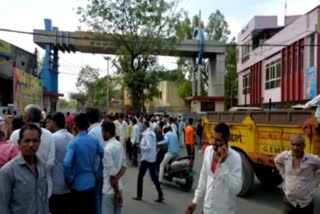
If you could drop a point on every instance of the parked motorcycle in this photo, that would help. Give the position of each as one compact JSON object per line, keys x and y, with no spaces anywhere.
{"x":179,"y":170}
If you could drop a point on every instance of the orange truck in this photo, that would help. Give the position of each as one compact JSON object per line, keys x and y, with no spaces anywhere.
{"x":260,"y":136}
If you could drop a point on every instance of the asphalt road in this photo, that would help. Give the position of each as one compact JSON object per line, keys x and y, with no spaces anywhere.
{"x":262,"y":201}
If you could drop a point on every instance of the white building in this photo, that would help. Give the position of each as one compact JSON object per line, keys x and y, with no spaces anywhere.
{"x":279,"y":64}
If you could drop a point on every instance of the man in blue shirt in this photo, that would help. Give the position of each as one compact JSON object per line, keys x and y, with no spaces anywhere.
{"x":80,"y":167}
{"x":171,"y":139}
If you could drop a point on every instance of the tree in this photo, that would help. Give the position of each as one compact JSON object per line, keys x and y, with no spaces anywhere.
{"x":184,"y":30}
{"x":139,"y":27}
{"x":231,"y":77}
{"x":63,"y":103}
{"x":114,"y":88}
{"x":86,"y":77}
{"x":172,"y":75}
{"x":217,"y":28}
{"x":81,"y":98}
{"x":185,"y":91}
{"x":93,"y":90}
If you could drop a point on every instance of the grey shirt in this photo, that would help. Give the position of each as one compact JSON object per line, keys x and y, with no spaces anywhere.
{"x":299,"y":184}
{"x":21,"y":191}
{"x":62,"y":139}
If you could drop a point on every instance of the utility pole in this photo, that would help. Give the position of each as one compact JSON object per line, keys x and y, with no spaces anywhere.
{"x":108,"y":60}
{"x":199,"y":64}
{"x":285,"y":10}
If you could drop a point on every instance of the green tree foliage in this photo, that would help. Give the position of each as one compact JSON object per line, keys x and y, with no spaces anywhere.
{"x":217,"y":28}
{"x":184,"y":30}
{"x":139,"y":27}
{"x":93,"y":90}
{"x":86,"y":77}
{"x":185,"y":90}
{"x":63,"y":103}
{"x":172,"y":75}
{"x":80,"y":97}
{"x":231,"y":78}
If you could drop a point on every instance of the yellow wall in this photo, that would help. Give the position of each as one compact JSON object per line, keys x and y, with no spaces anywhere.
{"x":169,"y":98}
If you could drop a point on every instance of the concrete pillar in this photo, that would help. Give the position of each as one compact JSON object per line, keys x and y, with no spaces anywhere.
{"x":216,"y":75}
{"x":194,"y":82}
{"x":199,"y":80}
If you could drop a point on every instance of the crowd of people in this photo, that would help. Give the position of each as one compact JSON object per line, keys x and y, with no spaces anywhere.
{"x":65,"y":164}
{"x":74,"y":163}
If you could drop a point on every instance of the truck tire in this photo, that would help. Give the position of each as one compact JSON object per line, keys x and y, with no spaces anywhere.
{"x":267,"y":175}
{"x":247,"y":176}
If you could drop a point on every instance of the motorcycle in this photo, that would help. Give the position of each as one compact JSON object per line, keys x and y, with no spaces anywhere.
{"x":178,"y":171}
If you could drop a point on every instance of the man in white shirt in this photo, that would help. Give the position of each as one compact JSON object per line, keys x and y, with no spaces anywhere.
{"x":220,"y":177}
{"x":123,"y":131}
{"x":95,"y":131}
{"x":117,"y":124}
{"x":300,"y":172}
{"x":114,"y":162}
{"x":148,"y":146}
{"x":59,"y":202}
{"x":173,"y":125}
{"x":46,"y":151}
{"x":135,"y":140}
{"x":181,"y":131}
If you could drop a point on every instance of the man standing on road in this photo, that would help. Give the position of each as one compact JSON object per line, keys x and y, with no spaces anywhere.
{"x":170,"y":139}
{"x":24,"y":186}
{"x":59,"y":202}
{"x":46,"y":151}
{"x":189,"y":138}
{"x":114,"y":162}
{"x":181,"y":131}
{"x":148,"y":147}
{"x":117,"y":124}
{"x":199,"y":134}
{"x":300,"y":172}
{"x":80,"y":167}
{"x":123,"y":131}
{"x":95,"y":131}
{"x":135,"y":140}
{"x":220,"y":178}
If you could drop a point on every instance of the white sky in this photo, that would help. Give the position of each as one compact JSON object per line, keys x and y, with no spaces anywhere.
{"x":29,"y":15}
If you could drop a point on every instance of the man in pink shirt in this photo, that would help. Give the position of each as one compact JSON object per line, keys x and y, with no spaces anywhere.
{"x":8,"y":151}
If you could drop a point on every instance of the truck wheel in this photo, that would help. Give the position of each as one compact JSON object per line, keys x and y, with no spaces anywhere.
{"x":267,"y":175}
{"x":247,"y":176}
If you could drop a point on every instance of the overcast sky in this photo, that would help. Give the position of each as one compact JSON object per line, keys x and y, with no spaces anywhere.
{"x":29,"y":15}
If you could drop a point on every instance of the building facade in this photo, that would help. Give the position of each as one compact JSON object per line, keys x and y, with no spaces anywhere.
{"x":168,"y":99}
{"x":19,"y":78}
{"x":279,"y":65}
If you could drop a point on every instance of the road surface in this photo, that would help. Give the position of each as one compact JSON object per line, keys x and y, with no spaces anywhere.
{"x":262,"y":201}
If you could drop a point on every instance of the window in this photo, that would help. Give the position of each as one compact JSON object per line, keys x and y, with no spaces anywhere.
{"x":312,"y":43}
{"x":245,"y":53}
{"x":207,"y":106}
{"x":246,"y":84}
{"x":273,"y":74}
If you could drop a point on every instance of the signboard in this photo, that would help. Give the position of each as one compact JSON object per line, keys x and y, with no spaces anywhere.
{"x":5,"y":48}
{"x":310,"y":83}
{"x":27,"y":89}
